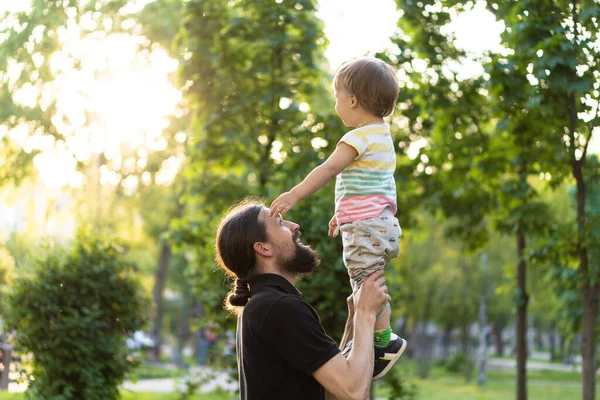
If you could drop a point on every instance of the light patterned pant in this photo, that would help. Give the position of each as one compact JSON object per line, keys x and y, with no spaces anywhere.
{"x":368,"y":244}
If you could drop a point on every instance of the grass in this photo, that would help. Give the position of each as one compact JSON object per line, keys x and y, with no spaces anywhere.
{"x":539,"y":376}
{"x":127,"y":395}
{"x":442,"y":385}
{"x":454,"y":388}
{"x":152,"y":371}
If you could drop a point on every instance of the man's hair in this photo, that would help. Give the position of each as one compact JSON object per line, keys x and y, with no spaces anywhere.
{"x":372,"y":81}
{"x":237,"y":232}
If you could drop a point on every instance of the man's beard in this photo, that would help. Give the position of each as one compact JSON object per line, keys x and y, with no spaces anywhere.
{"x":304,"y":260}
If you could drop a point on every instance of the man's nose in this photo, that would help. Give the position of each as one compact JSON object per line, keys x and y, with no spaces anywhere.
{"x":292,"y":226}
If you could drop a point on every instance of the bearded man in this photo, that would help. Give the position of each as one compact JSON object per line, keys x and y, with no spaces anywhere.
{"x":283,"y":352}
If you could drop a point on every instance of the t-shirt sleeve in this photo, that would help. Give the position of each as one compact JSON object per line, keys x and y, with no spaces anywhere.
{"x":356,"y":140}
{"x":296,"y":334}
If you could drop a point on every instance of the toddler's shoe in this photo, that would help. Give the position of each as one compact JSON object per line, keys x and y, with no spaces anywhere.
{"x":385,"y":357}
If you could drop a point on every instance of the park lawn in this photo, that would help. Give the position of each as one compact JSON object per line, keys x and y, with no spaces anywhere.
{"x":442,"y":385}
{"x":172,"y":396}
{"x":128,"y":395}
{"x":454,"y":388}
{"x":539,"y":376}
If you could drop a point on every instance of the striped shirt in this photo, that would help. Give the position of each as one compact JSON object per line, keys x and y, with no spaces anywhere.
{"x":366,"y":186}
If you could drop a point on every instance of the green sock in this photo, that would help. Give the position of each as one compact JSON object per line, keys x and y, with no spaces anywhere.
{"x":382,"y":338}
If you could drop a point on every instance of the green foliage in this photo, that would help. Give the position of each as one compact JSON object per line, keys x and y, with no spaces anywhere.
{"x":245,"y":59}
{"x":396,"y":383}
{"x":7,"y":269}
{"x":460,"y":363}
{"x":29,"y":40}
{"x":73,"y":312}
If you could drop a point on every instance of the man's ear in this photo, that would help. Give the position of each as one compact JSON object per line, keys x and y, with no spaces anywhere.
{"x":264,"y":249}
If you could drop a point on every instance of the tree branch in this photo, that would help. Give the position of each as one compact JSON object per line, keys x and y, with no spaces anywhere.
{"x":591,"y":131}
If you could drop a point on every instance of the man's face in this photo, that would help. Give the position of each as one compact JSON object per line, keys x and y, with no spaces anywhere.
{"x":291,"y":255}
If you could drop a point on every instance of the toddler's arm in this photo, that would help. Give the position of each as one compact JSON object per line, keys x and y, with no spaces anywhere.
{"x":343,"y":155}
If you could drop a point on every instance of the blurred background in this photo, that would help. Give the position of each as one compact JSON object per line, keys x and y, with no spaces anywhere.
{"x":129,"y":127}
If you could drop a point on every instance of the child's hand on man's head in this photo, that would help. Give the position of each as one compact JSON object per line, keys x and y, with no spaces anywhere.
{"x":283,"y":204}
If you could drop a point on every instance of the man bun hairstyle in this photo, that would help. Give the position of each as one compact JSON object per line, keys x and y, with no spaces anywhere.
{"x":239,"y":294}
{"x":237,"y":232}
{"x":372,"y":81}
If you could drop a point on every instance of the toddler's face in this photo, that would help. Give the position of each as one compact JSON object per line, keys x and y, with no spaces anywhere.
{"x":343,"y":103}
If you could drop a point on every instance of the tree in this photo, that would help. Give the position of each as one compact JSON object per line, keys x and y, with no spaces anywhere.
{"x":474,"y":165}
{"x":7,"y":266}
{"x":555,"y":57}
{"x":255,"y":84}
{"x":30,"y":114}
{"x":137,"y":189}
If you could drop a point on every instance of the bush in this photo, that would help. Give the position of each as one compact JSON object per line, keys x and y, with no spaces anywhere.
{"x":73,"y":312}
{"x":396,"y":385}
{"x":460,"y":363}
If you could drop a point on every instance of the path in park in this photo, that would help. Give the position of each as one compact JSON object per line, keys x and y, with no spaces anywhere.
{"x":170,"y":385}
{"x":507,"y":364}
{"x":214,"y":379}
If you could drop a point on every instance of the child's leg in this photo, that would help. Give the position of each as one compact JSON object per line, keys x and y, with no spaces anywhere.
{"x":368,"y":244}
{"x":383,"y":319}
{"x":367,"y":247}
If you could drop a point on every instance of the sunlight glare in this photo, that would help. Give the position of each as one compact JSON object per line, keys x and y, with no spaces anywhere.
{"x":355,"y":28}
{"x":119,"y":99}
{"x":56,"y":166}
{"x":476,"y":30}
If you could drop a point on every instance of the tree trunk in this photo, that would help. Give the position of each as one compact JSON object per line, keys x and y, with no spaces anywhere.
{"x":423,"y":353}
{"x":591,"y":287}
{"x":276,"y":73}
{"x":588,"y":340}
{"x":446,"y":341}
{"x":482,"y":349}
{"x":157,"y":296}
{"x":561,"y":348}
{"x":521,"y":328}
{"x":499,"y":328}
{"x":183,"y":331}
{"x":553,"y":356}
{"x":6,"y":358}
{"x":464,"y":339}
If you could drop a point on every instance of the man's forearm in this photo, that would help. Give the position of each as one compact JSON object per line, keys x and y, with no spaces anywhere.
{"x":361,"y":358}
{"x":348,"y":331}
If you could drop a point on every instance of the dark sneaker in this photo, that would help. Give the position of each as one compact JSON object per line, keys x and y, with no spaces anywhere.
{"x":385,"y":357}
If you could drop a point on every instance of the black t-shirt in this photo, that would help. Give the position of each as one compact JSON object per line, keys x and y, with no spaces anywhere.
{"x":280,"y":343}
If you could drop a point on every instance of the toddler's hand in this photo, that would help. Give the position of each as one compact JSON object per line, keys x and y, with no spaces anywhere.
{"x":283,"y":204}
{"x":333,"y":227}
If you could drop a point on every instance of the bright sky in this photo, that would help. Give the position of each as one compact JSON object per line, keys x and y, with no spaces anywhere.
{"x":130,"y":97}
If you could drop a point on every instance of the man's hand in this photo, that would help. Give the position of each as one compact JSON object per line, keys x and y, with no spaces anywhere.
{"x":333,"y":227}
{"x":372,"y":295}
{"x":283,"y":204}
{"x":350,"y":302}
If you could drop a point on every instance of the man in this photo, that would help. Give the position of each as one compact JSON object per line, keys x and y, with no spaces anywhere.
{"x":283,"y":351}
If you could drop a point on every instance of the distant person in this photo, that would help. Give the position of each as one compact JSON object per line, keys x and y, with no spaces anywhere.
{"x":364,"y":161}
{"x":211,"y":338}
{"x":283,"y":351}
{"x":207,"y":340}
